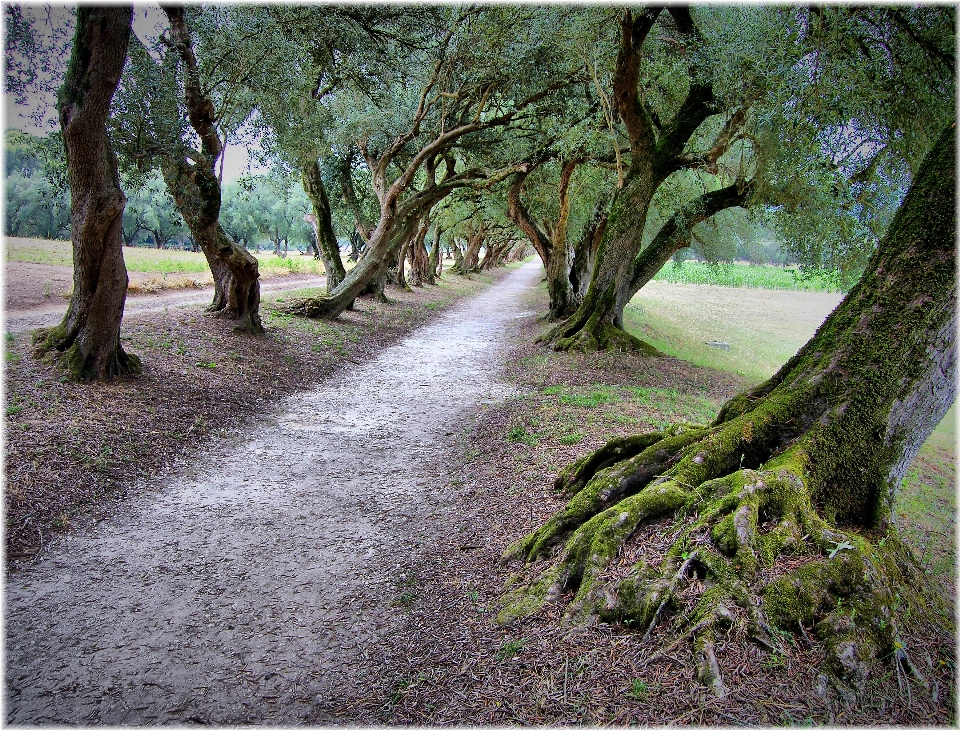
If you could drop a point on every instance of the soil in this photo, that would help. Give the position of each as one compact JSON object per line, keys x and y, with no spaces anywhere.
{"x":326,"y":547}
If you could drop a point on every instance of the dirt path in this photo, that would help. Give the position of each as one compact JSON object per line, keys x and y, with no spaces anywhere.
{"x":27,"y":307}
{"x":247,"y":588}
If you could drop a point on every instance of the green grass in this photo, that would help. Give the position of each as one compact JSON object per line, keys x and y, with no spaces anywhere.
{"x":676,"y":406}
{"x":750,"y":277}
{"x":151,"y":260}
{"x":597,"y":395}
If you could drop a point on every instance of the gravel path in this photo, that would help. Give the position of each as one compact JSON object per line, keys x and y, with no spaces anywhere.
{"x":249,"y":586}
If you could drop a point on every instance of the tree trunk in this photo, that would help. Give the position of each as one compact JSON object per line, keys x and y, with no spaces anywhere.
{"x":356,"y":245}
{"x":436,"y":258}
{"x":585,"y":252}
{"x":795,"y":479}
{"x":235,"y":270}
{"x":471,"y":252}
{"x":553,"y":249}
{"x":654,"y":155}
{"x":421,"y":269}
{"x":196,"y":190}
{"x":457,"y":257}
{"x":401,"y":264}
{"x":676,"y":232}
{"x":89,"y":335}
{"x":326,"y":240}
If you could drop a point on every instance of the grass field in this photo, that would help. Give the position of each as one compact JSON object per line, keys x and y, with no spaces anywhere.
{"x":763,"y":330}
{"x":750,"y":277}
{"x":151,"y":260}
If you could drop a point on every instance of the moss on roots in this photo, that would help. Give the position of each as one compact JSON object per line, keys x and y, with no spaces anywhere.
{"x":767,"y":561}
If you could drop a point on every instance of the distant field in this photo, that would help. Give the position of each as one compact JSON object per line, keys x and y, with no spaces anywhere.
{"x":749,"y":277}
{"x":151,"y":260}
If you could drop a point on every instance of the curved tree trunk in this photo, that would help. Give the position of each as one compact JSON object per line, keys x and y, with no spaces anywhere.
{"x":89,"y":335}
{"x":326,"y":240}
{"x":554,"y":249}
{"x":235,"y":270}
{"x":675,"y":233}
{"x":421,"y":270}
{"x":196,"y":190}
{"x":585,"y":252}
{"x":790,"y":490}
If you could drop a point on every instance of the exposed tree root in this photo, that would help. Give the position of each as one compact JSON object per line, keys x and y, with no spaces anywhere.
{"x":596,"y":336}
{"x":767,"y":562}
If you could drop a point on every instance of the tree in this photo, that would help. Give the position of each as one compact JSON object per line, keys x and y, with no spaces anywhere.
{"x":416,"y":156}
{"x":89,"y":336}
{"x":657,"y":150}
{"x":150,"y":132}
{"x":805,"y":465}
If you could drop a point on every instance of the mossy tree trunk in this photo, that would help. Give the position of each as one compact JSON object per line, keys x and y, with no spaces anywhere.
{"x":195,"y":189}
{"x":89,"y":335}
{"x":326,"y":239}
{"x":787,"y":497}
{"x":585,"y":251}
{"x":656,"y":152}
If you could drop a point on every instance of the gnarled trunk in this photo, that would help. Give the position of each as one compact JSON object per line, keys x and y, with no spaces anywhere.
{"x":89,"y":335}
{"x":421,"y":269}
{"x":196,"y":191}
{"x":326,"y":240}
{"x":804,"y":466}
{"x":236,"y":274}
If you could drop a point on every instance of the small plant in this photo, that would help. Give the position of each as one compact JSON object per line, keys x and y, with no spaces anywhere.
{"x":13,"y":410}
{"x":207,"y":365}
{"x":774,"y":661}
{"x":519,"y":435}
{"x":405,"y":585}
{"x":569,"y":439}
{"x":510,"y":649}
{"x":639,"y":689}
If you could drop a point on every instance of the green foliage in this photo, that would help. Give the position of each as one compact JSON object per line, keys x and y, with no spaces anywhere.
{"x":520,"y":435}
{"x":510,"y":649}
{"x":752,"y":277}
{"x":36,"y":202}
{"x":639,"y":689}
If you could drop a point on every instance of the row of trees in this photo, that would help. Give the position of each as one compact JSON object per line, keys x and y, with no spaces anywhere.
{"x":610,"y":140}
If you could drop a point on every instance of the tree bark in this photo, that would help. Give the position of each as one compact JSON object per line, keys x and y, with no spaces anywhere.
{"x":805,"y":466}
{"x":421,"y":270}
{"x":676,"y":232}
{"x":554,"y":250}
{"x":196,"y":190}
{"x":326,"y":240}
{"x":585,"y":252}
{"x":89,"y":335}
{"x":436,"y":257}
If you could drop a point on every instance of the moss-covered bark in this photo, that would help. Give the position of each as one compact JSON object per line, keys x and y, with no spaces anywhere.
{"x":89,"y":335}
{"x":327,"y":243}
{"x":783,"y":504}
